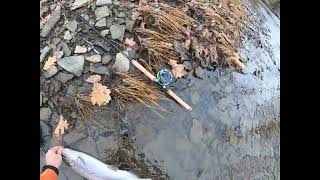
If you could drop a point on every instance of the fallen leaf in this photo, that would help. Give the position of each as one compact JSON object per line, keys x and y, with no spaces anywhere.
{"x":50,"y":62}
{"x":135,"y":15}
{"x":62,"y":126}
{"x":206,"y":51}
{"x":206,"y":34}
{"x":130,"y":42}
{"x":187,"y":44}
{"x":143,"y":2}
{"x":93,"y":78}
{"x":235,"y":60}
{"x":144,"y":9}
{"x":100,"y":94}
{"x":199,"y":51}
{"x":177,"y":69}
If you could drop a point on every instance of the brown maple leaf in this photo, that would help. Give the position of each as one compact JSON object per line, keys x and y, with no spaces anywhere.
{"x":50,"y":62}
{"x":206,"y":33}
{"x":100,"y":94}
{"x":93,"y":78}
{"x":62,"y":126}
{"x":129,"y":42}
{"x":177,"y":69}
{"x":145,"y":8}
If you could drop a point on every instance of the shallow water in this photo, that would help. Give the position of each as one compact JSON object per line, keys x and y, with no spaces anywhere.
{"x":233,"y":131}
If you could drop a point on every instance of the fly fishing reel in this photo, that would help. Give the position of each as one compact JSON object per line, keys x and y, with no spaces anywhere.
{"x":164,"y":77}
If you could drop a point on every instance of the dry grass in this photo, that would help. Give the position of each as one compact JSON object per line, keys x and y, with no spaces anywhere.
{"x":135,"y":89}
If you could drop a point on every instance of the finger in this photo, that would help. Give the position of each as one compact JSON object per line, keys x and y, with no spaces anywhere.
{"x":60,"y":150}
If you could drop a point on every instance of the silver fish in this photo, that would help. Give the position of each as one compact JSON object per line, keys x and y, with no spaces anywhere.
{"x":93,"y":169}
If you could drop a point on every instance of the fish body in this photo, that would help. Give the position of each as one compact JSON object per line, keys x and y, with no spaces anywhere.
{"x":93,"y":169}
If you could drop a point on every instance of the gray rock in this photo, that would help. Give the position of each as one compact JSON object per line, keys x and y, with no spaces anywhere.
{"x":78,"y":3}
{"x":72,"y":25}
{"x":103,"y":2}
{"x":94,"y":58}
{"x":40,"y":99}
{"x":65,"y":48}
{"x":129,"y":25}
{"x":50,"y":72}
{"x":101,"y":12}
{"x":56,"y":84}
{"x":63,"y":77}
{"x":86,"y":69}
{"x":109,"y":22}
{"x":106,"y":58}
{"x":45,"y":114}
{"x":59,"y":54}
{"x":179,"y":47}
{"x":98,"y":69}
{"x":204,"y":63}
{"x":122,"y":63}
{"x":121,"y":15}
{"x":85,"y":17}
{"x":196,"y":132}
{"x":72,"y":64}
{"x":46,"y":50}
{"x":72,"y":91}
{"x":52,"y":21}
{"x":80,"y":50}
{"x":43,"y":10}
{"x":117,"y":31}
{"x":45,"y":129}
{"x":115,"y":2}
{"x":188,"y":65}
{"x":52,"y":7}
{"x":199,"y":72}
{"x":120,"y":20}
{"x":55,"y":41}
{"x":101,"y":23}
{"x":67,"y":36}
{"x":104,"y":32}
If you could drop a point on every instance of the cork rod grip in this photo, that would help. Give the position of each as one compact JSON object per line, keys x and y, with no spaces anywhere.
{"x":179,"y":100}
{"x":142,"y":69}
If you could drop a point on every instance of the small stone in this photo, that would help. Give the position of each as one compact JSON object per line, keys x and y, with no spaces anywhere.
{"x":51,"y":22}
{"x":78,"y":3}
{"x":59,"y":54}
{"x":94,"y":58}
{"x":204,"y":63}
{"x":187,"y":66}
{"x":45,"y":129}
{"x":50,"y":72}
{"x":86,"y":69}
{"x":106,"y":58}
{"x":104,"y":32}
{"x":72,"y":25}
{"x":117,"y":31}
{"x":56,"y":84}
{"x":101,"y":12}
{"x":80,"y":50}
{"x":129,"y":25}
{"x":121,"y":15}
{"x":72,"y":64}
{"x":85,"y":17}
{"x":101,"y":23}
{"x":199,"y":72}
{"x":98,"y":69}
{"x":109,"y":22}
{"x":122,"y":63}
{"x":45,"y":114}
{"x":55,"y":41}
{"x":196,"y":132}
{"x":120,"y":20}
{"x":103,"y":2}
{"x":64,"y":77}
{"x":67,"y":36}
{"x":46,"y":50}
{"x":65,"y":48}
{"x":115,"y":2}
{"x":52,"y":7}
{"x":40,"y":99}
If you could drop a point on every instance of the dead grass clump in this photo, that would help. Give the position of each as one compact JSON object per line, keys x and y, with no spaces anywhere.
{"x":135,"y":89}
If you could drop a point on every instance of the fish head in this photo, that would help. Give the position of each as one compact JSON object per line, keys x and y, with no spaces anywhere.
{"x":73,"y":158}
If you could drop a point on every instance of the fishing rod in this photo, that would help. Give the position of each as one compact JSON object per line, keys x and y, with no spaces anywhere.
{"x":164,"y":76}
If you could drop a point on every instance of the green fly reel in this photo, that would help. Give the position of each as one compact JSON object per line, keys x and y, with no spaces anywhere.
{"x":165,"y":77}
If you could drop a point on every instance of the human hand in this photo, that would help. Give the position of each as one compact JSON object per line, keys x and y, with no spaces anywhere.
{"x":54,"y":157}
